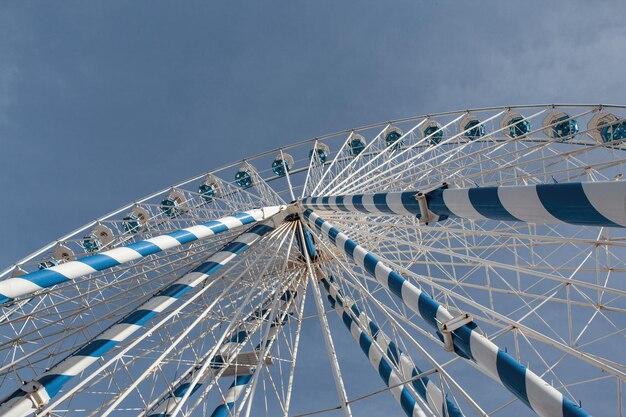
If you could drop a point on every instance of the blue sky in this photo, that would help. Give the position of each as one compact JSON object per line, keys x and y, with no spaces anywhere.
{"x":103,"y":102}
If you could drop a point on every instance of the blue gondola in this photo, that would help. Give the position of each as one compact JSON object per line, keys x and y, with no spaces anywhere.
{"x":243,"y":177}
{"x":91,"y":243}
{"x":280,"y":167}
{"x":435,"y":132}
{"x":565,"y":128}
{"x":282,"y":164}
{"x":207,"y":191}
{"x":612,"y":132}
{"x":169,"y":207}
{"x":606,"y":127}
{"x":322,"y":152}
{"x":357,"y":145}
{"x":474,"y":128}
{"x":518,"y":127}
{"x":48,"y":263}
{"x":131,"y":224}
{"x":393,"y":139}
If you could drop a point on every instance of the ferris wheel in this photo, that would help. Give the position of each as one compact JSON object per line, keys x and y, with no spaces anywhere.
{"x":471,"y":262}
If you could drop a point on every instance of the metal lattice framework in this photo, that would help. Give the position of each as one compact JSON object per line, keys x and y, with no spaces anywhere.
{"x":477,"y":259}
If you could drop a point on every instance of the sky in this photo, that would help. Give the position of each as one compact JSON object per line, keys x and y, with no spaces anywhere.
{"x":104,"y":102}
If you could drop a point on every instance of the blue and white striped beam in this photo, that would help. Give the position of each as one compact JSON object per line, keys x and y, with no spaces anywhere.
{"x":586,"y":204}
{"x":165,"y":409}
{"x":427,"y":390}
{"x":537,"y":394}
{"x":12,"y":288}
{"x":241,"y":334}
{"x":235,"y":390}
{"x":241,"y":382}
{"x":379,"y":361}
{"x":38,"y":392}
{"x":235,"y":342}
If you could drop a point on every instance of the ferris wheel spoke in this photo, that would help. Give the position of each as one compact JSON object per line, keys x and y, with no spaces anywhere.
{"x":419,"y":156}
{"x":248,"y":326}
{"x":330,"y":167}
{"x":251,"y":291}
{"x":330,"y":348}
{"x":175,"y":340}
{"x":279,"y":316}
{"x":502,"y":320}
{"x":352,"y":163}
{"x":522,"y":382}
{"x":428,"y":167}
{"x":158,"y":363}
{"x":380,"y":362}
{"x":517,"y":234}
{"x":460,"y":230}
{"x":258,"y":260}
{"x":591,"y":204}
{"x":368,"y":296}
{"x":54,"y":322}
{"x":106,"y":373}
{"x":430,"y":157}
{"x":600,"y":363}
{"x":527,"y":292}
{"x":496,"y":151}
{"x":64,"y":334}
{"x":423,"y":387}
{"x":198,"y":374}
{"x":167,"y":338}
{"x":288,"y":176}
{"x":60,"y":320}
{"x":379,"y":170}
{"x":386,"y":151}
{"x":265,"y":193}
{"x":481,"y":261}
{"x":316,"y":165}
{"x":145,"y":219}
{"x":295,"y":344}
{"x":51,"y":382}
{"x":85,"y":299}
{"x":109,"y":373}
{"x":484,"y":169}
{"x":243,"y":380}
{"x":35,"y":281}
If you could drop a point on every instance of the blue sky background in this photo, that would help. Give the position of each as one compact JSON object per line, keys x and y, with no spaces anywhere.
{"x":103,"y":102}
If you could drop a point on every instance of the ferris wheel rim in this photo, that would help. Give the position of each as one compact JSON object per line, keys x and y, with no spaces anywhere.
{"x":326,"y":164}
{"x":138,"y":201}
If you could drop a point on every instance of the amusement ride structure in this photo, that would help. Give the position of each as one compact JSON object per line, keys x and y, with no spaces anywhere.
{"x":477,"y":259}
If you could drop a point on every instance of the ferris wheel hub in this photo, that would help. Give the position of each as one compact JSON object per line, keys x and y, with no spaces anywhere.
{"x":282,"y":214}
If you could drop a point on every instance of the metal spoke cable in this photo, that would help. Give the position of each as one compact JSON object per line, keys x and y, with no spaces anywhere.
{"x":35,"y":281}
{"x":40,"y":390}
{"x":523,"y":383}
